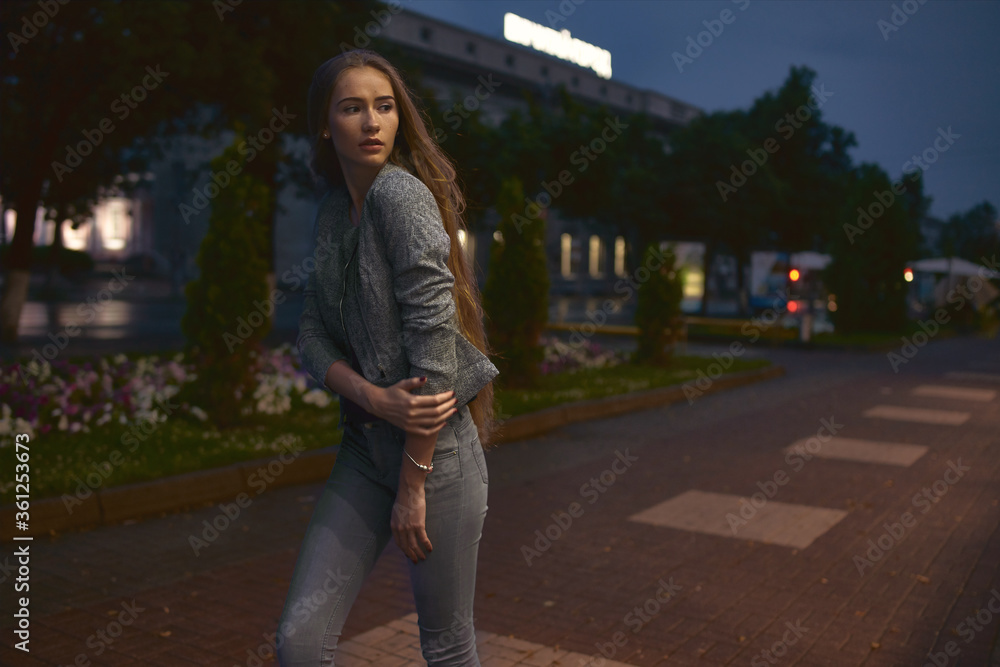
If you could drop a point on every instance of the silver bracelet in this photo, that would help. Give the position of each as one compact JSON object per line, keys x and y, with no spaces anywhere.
{"x":427,"y":469}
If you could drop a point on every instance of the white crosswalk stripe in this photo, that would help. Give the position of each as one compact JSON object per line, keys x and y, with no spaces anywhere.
{"x":864,"y":451}
{"x":766,"y":521}
{"x":920,"y":415}
{"x":974,"y":376}
{"x":957,"y":393}
{"x":397,"y":643}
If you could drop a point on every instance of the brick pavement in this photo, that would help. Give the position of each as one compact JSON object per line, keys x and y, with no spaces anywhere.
{"x":733,"y":599}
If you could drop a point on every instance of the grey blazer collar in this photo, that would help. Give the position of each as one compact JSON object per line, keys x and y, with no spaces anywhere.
{"x":340,"y":198}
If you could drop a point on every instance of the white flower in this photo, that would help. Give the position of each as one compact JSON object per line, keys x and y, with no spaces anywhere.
{"x":63,"y":423}
{"x":199,"y":413}
{"x":318,"y":397}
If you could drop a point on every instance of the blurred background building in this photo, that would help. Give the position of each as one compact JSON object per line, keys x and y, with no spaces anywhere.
{"x":585,"y":256}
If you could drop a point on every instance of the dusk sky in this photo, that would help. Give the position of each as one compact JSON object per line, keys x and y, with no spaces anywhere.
{"x":892,"y":88}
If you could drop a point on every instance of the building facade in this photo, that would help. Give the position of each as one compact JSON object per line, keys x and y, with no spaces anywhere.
{"x":165,"y":222}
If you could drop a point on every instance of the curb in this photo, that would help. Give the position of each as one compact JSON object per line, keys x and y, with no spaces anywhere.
{"x":170,"y":494}
{"x":129,"y":502}
{"x":537,"y":423}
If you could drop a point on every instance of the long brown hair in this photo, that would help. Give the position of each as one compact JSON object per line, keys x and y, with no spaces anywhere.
{"x":415,"y":151}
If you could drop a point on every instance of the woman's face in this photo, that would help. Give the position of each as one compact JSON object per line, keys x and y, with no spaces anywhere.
{"x":363,"y":119}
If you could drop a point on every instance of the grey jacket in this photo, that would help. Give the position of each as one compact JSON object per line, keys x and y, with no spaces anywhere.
{"x":409,"y":325}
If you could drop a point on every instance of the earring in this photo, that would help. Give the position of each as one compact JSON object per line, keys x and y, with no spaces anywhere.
{"x":326,"y":135}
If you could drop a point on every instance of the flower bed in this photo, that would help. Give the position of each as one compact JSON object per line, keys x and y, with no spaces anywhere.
{"x":561,"y":357}
{"x":77,"y":397}
{"x":111,"y":421}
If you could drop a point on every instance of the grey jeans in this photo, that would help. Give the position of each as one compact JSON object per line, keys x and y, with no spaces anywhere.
{"x":350,"y":528}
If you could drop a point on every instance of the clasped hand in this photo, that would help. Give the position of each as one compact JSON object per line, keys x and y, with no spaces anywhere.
{"x":416,"y":414}
{"x":421,"y":417}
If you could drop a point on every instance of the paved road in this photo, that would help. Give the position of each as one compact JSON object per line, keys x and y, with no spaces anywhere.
{"x":798,"y":583}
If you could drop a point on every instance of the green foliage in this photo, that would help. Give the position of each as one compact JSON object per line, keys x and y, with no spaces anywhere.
{"x":866,"y":269}
{"x":741,"y":181}
{"x":658,"y":307}
{"x":516,"y":294}
{"x":224,"y":303}
{"x":69,"y":261}
{"x":809,"y":162}
{"x":972,"y":235}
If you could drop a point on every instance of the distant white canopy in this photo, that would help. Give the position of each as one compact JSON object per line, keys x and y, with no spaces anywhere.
{"x":953,"y":266}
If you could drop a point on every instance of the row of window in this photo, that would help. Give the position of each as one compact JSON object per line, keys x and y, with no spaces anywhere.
{"x":570,"y":256}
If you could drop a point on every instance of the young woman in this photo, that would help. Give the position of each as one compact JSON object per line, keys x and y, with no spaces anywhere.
{"x":392,"y":323}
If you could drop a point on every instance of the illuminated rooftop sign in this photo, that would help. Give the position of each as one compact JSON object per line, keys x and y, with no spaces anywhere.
{"x":557,"y":43}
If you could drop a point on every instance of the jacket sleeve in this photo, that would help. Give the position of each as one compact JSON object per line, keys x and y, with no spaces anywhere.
{"x":417,"y":247}
{"x":316,"y":347}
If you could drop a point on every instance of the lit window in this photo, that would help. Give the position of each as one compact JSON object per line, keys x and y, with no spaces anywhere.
{"x":566,"y":255}
{"x":596,"y":257}
{"x":75,"y":239}
{"x":694,"y":283}
{"x":619,"y":256}
{"x":113,"y":223}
